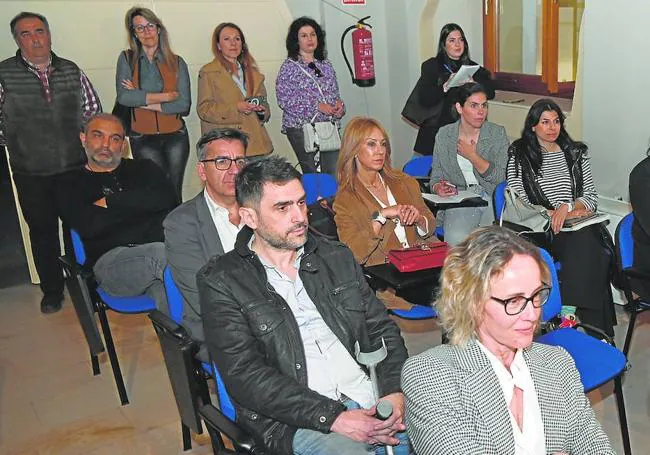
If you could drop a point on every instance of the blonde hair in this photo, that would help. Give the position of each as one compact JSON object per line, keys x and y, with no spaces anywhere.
{"x":168,"y":57}
{"x":245,"y":59}
{"x":467,"y":273}
{"x":354,"y":135}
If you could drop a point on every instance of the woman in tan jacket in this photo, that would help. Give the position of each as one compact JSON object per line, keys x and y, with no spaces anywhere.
{"x":231,"y":90}
{"x":378,"y":208}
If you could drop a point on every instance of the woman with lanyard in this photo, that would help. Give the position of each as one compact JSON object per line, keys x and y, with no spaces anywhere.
{"x":231,"y":91}
{"x":307,"y":91}
{"x":155,"y":82}
{"x":453,"y":52}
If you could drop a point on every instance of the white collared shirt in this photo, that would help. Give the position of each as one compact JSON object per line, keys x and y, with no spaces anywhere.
{"x":331,"y":370}
{"x":530,"y":440}
{"x":467,"y":168}
{"x":227,"y":231}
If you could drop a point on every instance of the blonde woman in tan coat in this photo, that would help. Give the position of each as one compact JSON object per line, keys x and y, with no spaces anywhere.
{"x":231,"y":90}
{"x":378,"y":208}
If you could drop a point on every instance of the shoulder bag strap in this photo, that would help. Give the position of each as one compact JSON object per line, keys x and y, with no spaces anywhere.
{"x":320,"y":90}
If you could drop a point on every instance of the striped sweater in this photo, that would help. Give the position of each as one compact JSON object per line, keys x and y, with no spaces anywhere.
{"x":555,"y":181}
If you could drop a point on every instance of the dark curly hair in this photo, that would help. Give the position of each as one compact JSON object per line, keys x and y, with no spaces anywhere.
{"x":293,"y":47}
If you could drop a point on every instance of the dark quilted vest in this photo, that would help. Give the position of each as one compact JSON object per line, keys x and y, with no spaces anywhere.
{"x":42,"y":136}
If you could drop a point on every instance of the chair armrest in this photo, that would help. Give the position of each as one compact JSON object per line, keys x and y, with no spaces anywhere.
{"x":241,"y":440}
{"x":633,"y":272}
{"x":606,"y":337}
{"x":161,"y":319}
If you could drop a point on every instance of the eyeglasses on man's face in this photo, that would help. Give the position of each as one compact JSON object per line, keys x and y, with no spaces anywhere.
{"x":312,"y":66}
{"x":515,"y":305}
{"x":223,"y":163}
{"x":141,"y":28}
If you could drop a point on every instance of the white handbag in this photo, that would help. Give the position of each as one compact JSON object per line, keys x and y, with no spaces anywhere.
{"x":320,"y":136}
{"x":530,"y":217}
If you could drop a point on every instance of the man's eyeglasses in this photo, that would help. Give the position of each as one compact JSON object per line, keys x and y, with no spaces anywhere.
{"x":141,"y":28}
{"x":516,"y":305}
{"x":312,"y":66}
{"x":223,"y":163}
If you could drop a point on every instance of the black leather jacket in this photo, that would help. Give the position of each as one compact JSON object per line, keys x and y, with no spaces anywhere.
{"x":254,"y":339}
{"x":573,"y":156}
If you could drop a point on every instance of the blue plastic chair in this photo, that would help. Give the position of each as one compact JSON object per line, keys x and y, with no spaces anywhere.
{"x":318,"y":185}
{"x":416,"y":313}
{"x":175,"y":302}
{"x":499,"y":199}
{"x":420,"y":166}
{"x":625,"y":253}
{"x":88,"y":299}
{"x":596,"y":361}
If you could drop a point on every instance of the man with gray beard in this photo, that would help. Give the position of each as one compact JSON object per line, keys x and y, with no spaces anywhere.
{"x":117,"y":207}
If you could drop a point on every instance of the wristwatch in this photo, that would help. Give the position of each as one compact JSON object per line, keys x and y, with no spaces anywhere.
{"x":378,"y":217}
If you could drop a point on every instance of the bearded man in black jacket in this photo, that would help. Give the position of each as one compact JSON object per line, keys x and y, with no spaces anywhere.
{"x":117,"y":207}
{"x":282,"y":313}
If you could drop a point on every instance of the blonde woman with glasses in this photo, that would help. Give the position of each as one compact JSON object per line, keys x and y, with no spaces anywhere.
{"x":155,"y":82}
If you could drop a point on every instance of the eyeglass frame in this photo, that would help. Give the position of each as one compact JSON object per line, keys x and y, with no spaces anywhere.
{"x":312,"y":66}
{"x":150,"y":26}
{"x":505,"y":302}
{"x":243,"y":159}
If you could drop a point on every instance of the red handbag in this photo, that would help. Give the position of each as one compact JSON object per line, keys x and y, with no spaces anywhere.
{"x":420,"y":257}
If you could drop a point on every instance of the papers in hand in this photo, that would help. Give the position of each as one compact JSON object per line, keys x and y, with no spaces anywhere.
{"x":462,"y":75}
{"x":575,"y":224}
{"x":453,"y":199}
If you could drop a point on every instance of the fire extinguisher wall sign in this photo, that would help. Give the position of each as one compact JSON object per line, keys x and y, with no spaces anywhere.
{"x":364,"y":62}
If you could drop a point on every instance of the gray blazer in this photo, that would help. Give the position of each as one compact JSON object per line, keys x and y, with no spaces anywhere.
{"x":492,"y":145}
{"x":455,"y":405}
{"x":191,"y":239}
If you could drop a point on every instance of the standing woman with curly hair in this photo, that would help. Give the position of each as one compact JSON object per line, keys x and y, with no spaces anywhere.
{"x":307,"y":91}
{"x":232,"y":92}
{"x":155,"y":82}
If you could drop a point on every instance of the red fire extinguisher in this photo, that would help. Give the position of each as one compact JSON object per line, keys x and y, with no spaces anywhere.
{"x":364,"y":62}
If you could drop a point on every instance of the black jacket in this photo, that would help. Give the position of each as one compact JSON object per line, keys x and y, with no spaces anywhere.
{"x":255,"y":342}
{"x":433,"y":75}
{"x":138,"y":197}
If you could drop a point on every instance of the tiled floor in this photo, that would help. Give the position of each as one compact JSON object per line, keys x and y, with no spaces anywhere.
{"x":51,"y":404}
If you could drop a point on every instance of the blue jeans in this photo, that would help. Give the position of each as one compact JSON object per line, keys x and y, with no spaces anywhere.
{"x":311,"y":442}
{"x":460,"y":222}
{"x":131,"y":271}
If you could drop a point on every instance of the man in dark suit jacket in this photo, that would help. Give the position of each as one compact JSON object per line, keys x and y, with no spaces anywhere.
{"x":206,"y":225}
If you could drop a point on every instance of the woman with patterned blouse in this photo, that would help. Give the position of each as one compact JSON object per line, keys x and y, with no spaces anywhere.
{"x":307,"y":91}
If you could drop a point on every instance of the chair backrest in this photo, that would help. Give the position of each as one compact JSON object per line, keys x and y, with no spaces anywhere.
{"x":499,"y":199}
{"x":625,"y":242}
{"x":420,"y":166}
{"x":318,"y":185}
{"x":225,"y":403}
{"x":174,"y":296}
{"x":554,"y":304}
{"x":78,"y":247}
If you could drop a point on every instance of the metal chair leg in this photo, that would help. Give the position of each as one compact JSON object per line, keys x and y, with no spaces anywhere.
{"x":187,"y":437}
{"x":95,"y":363}
{"x":622,"y":416}
{"x":112,"y":355}
{"x":630,"y":328}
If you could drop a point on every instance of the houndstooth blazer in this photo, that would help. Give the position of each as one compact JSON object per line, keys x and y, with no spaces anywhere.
{"x":455,"y":405}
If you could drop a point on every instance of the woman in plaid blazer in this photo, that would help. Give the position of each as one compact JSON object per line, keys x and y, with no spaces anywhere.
{"x":491,"y":390}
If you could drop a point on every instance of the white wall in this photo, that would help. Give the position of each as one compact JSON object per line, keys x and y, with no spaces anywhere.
{"x":405,"y":33}
{"x":92,"y":34}
{"x":615,"y":95}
